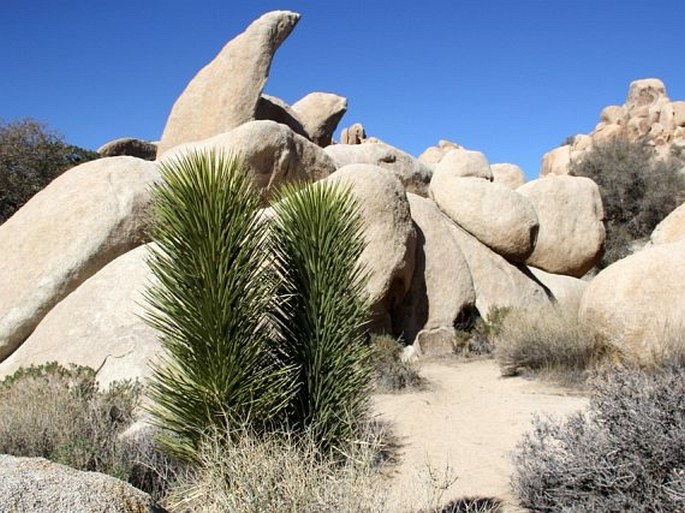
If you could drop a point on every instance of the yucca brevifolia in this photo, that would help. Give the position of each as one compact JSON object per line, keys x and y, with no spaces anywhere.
{"x":319,"y":239}
{"x":212,"y":303}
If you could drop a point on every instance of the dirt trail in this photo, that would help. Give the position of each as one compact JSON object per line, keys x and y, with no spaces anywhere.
{"x":469,"y":418}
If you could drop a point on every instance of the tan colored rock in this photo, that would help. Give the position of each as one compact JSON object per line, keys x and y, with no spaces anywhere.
{"x":678,"y":113}
{"x":37,"y":485}
{"x":556,"y":161}
{"x":613,"y":115}
{"x":320,"y":114}
{"x":637,"y":305}
{"x":566,"y":290}
{"x":224,"y":94}
{"x":389,"y":232}
{"x":84,"y":219}
{"x":414,"y":175}
{"x":637,"y":128}
{"x":509,"y":175}
{"x":671,"y":228}
{"x":354,"y":134}
{"x":608,"y":133}
{"x":129,"y":147}
{"x":434,"y":154}
{"x":441,"y":292}
{"x":581,"y":142}
{"x":500,"y":218}
{"x":99,"y":325}
{"x":465,"y":163}
{"x":270,"y":151}
{"x":645,"y":92}
{"x":271,"y":108}
{"x":497,"y":282}
{"x":571,"y":216}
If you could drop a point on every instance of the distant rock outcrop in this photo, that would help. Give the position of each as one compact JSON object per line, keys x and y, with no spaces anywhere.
{"x":354,"y":134}
{"x":320,"y":114}
{"x":648,"y":114}
{"x":129,"y":147}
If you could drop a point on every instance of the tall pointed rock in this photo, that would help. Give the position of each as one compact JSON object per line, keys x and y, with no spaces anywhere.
{"x":224,"y":94}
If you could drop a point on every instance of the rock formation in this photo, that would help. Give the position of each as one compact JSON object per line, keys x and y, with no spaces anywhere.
{"x":647,"y":113}
{"x":129,"y":147}
{"x":320,"y":114}
{"x":354,"y":134}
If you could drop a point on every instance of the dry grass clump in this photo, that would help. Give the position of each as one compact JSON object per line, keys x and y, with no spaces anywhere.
{"x":548,"y":341}
{"x":625,"y":453}
{"x":59,"y":413}
{"x":280,"y":472}
{"x":390,"y":372}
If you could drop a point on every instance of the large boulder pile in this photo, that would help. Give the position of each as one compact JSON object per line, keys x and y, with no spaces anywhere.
{"x":647,"y":113}
{"x":449,"y":236}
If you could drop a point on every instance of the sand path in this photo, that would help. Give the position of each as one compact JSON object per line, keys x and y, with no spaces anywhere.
{"x":469,"y":418}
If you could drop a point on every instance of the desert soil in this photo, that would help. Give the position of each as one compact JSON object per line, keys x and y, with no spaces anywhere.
{"x":465,"y":423}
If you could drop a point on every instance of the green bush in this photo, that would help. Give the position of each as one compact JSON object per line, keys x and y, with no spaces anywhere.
{"x":318,"y":237}
{"x":31,"y":156}
{"x":213,"y":304}
{"x":625,"y":453}
{"x":637,"y":190}
{"x":262,"y":319}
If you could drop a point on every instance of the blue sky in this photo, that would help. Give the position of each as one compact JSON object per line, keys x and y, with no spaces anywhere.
{"x":509,"y":78}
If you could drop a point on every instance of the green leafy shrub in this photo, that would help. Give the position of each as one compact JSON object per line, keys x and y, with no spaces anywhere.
{"x":318,"y":237}
{"x":637,"y":189}
{"x":625,"y":453}
{"x":213,"y":304}
{"x":391,"y":373}
{"x":31,"y":156}
{"x":59,"y":414}
{"x":548,"y":341}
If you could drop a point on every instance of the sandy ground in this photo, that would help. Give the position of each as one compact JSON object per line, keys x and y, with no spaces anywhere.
{"x":465,"y":424}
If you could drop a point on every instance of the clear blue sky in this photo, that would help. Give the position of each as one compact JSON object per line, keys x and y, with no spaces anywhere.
{"x":509,"y":78}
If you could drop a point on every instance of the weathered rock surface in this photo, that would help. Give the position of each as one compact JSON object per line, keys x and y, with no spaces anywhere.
{"x":40,"y":486}
{"x":435,"y":154}
{"x":556,"y":161}
{"x":633,"y":303}
{"x":84,"y":219}
{"x":497,"y":282}
{"x":497,"y":216}
{"x":414,"y":176}
{"x":465,"y":163}
{"x":224,"y":94}
{"x":354,"y":134}
{"x":390,"y":235}
{"x":320,"y":114}
{"x":509,"y":175}
{"x":671,"y":228}
{"x":129,"y":147}
{"x":571,"y":216}
{"x":274,"y":109}
{"x":566,"y":290}
{"x":441,"y":292}
{"x":270,"y":151}
{"x":99,"y":325}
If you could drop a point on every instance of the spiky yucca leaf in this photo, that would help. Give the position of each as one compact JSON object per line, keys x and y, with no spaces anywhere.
{"x":212,"y":303}
{"x":319,"y":239}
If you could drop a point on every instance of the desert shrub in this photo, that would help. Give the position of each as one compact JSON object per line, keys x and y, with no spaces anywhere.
{"x":31,"y":156}
{"x":58,"y":413}
{"x":471,"y":505}
{"x":548,"y":341}
{"x":318,"y":238}
{"x":212,"y":304}
{"x":280,"y":472}
{"x":637,"y":190}
{"x":480,"y":338}
{"x":625,"y":453}
{"x":390,"y":372}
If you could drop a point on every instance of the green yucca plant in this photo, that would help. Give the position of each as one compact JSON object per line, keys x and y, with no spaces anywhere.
{"x":213,"y":303}
{"x":318,"y":239}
